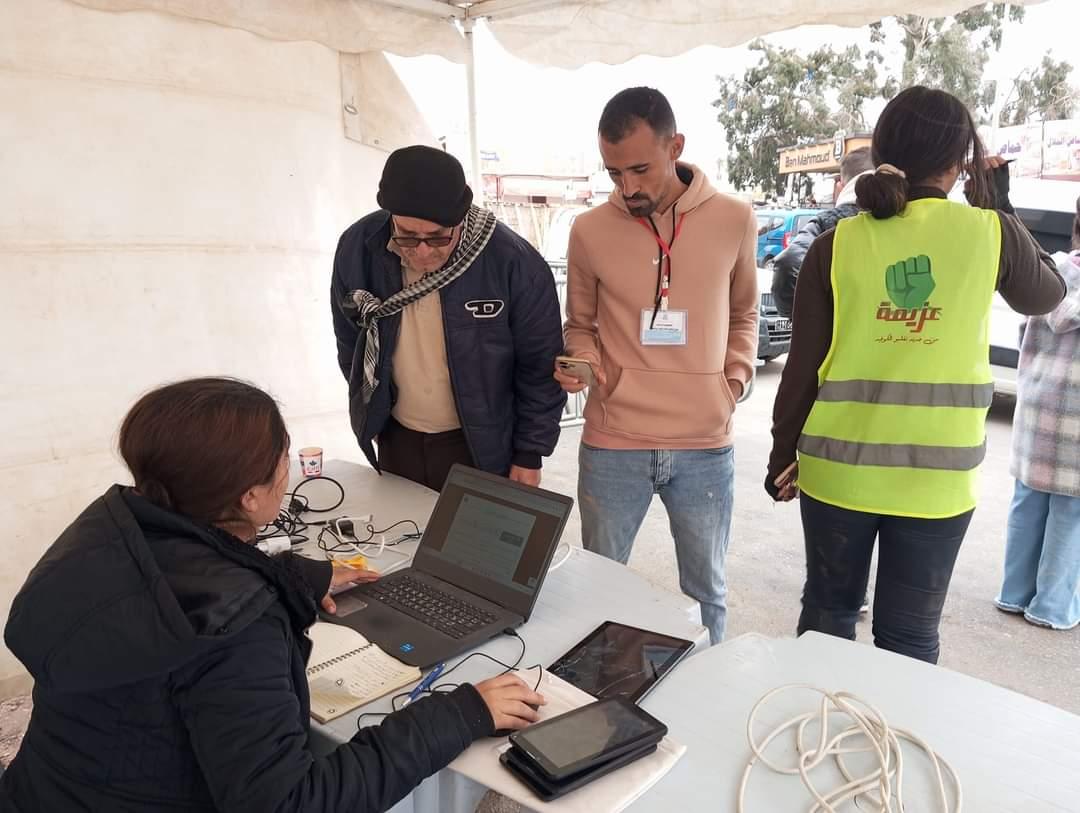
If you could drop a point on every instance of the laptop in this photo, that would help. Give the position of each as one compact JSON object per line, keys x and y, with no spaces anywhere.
{"x":478,"y":570}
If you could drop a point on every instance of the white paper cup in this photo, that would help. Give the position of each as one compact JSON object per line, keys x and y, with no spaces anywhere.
{"x":311,"y":461}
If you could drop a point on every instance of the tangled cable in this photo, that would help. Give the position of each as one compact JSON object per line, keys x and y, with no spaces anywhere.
{"x":878,"y":739}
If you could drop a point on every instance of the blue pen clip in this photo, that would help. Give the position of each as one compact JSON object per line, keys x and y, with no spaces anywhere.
{"x":425,"y":684}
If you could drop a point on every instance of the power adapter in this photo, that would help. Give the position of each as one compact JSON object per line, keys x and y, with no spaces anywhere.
{"x":347,"y":526}
{"x":275,"y":545}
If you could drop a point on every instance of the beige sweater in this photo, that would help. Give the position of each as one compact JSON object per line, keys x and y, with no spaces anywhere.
{"x":425,"y":399}
{"x":665,"y":397}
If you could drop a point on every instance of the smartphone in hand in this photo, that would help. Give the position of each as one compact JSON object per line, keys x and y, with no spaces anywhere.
{"x":576,"y":368}
{"x":788,"y":482}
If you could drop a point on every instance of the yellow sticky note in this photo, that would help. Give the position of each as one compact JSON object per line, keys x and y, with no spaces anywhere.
{"x":357,"y":562}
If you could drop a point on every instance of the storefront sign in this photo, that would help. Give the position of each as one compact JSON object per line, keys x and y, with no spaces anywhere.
{"x":822,"y":157}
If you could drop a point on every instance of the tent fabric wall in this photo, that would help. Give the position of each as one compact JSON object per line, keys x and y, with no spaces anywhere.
{"x":558,"y":33}
{"x":174,"y":181}
{"x":171,"y":200}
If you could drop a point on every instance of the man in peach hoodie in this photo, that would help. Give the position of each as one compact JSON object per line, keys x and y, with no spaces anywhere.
{"x":662,"y":303}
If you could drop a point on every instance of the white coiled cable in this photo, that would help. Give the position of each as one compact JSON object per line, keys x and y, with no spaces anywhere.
{"x":878,"y":738}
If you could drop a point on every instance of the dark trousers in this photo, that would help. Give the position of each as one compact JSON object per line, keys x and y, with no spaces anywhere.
{"x":421,"y":457}
{"x":915,"y":564}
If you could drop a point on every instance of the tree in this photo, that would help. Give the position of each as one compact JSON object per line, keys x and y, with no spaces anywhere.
{"x":1041,"y":93}
{"x":788,"y":98}
{"x":783,"y":101}
{"x":949,"y":53}
{"x":857,"y":80}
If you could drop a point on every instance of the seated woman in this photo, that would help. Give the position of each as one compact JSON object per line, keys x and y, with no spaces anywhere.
{"x":169,"y":653}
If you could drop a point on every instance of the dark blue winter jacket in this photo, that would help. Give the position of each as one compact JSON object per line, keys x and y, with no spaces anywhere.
{"x":503,"y":331}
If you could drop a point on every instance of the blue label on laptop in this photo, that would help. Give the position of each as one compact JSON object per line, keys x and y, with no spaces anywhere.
{"x":406,"y":647}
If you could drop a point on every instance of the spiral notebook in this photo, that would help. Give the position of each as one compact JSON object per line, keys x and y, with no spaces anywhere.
{"x":346,"y":671}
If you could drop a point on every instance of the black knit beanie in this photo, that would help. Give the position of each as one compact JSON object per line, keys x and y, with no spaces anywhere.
{"x":427,"y":183}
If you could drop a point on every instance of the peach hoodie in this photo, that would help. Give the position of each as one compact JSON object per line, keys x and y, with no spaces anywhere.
{"x":664,"y":397}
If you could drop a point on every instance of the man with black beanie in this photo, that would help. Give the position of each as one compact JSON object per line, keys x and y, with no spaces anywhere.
{"x":447,"y":325}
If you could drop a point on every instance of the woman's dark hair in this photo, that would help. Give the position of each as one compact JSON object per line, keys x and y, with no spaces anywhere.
{"x":925,"y":133}
{"x":1076,"y":228}
{"x":195,"y":447}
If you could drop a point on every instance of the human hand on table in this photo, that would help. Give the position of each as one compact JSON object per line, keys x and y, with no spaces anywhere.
{"x":510,"y":701}
{"x":343,"y":575}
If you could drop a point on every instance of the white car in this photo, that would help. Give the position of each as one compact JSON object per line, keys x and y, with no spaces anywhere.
{"x":1005,"y":331}
{"x":1047,"y":209}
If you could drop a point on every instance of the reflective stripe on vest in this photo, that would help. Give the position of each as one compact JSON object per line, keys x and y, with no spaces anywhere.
{"x":898,"y":426}
{"x":905,"y":393}
{"x":945,"y":458}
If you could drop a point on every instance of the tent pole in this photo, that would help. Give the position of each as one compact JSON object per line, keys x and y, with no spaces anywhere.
{"x":474,"y":119}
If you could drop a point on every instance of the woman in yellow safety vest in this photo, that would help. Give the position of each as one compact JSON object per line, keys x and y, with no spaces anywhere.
{"x":884,"y":396}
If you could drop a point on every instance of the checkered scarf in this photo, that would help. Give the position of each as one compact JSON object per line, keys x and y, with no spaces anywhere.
{"x":366,"y":309}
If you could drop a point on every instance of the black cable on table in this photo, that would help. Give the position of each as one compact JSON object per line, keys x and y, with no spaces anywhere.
{"x":288,"y":521}
{"x":449,"y":687}
{"x":306,"y":505}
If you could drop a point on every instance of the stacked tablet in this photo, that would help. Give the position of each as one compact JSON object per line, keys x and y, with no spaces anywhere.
{"x":566,"y":752}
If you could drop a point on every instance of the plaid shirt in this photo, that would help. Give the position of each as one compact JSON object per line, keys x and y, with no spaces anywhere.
{"x":1046,"y":428}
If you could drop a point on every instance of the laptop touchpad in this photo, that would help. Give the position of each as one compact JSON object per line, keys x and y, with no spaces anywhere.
{"x":347,"y":604}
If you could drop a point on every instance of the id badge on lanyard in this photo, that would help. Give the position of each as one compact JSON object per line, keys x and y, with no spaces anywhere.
{"x":659,"y":324}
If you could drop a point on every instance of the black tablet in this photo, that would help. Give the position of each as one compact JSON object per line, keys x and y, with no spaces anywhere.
{"x":587,"y":737}
{"x":547,"y":790}
{"x":615,"y":660}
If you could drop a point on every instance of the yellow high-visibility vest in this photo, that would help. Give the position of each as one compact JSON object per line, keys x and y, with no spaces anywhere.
{"x":899,"y":424}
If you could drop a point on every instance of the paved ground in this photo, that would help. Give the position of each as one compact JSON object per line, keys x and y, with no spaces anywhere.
{"x":766,"y":563}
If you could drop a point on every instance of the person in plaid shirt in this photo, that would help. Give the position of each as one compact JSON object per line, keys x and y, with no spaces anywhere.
{"x":1042,"y":553}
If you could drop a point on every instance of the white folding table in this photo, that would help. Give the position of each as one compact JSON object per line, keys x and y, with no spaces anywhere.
{"x":1012,"y":753}
{"x":576,"y":597}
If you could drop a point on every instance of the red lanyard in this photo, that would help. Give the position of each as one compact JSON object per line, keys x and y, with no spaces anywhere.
{"x":665,"y":247}
{"x":663,"y":282}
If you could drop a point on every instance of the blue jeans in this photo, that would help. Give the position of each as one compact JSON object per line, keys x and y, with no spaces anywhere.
{"x":915,"y":564}
{"x":615,"y":488}
{"x":1042,"y":559}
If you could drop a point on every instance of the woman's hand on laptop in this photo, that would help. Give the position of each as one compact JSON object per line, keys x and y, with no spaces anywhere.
{"x":342,"y":576}
{"x":512,"y":704}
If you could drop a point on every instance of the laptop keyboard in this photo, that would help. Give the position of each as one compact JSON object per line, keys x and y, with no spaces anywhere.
{"x":442,"y":611}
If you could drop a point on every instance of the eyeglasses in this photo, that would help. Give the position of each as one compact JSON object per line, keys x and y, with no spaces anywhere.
{"x":439,"y":241}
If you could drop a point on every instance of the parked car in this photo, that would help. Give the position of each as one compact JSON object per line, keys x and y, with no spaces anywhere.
{"x":776,"y":227}
{"x":1053,"y":230}
{"x":774,"y":332}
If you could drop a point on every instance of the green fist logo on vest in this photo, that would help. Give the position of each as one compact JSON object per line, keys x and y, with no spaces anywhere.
{"x":910,"y":282}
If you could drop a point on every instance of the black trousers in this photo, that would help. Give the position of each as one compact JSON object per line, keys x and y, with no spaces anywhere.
{"x":915,"y":563}
{"x":421,"y":457}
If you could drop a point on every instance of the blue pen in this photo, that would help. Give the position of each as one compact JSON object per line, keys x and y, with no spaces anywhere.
{"x":424,"y":684}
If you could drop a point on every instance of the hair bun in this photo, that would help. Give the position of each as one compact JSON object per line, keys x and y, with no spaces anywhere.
{"x":884,"y":194}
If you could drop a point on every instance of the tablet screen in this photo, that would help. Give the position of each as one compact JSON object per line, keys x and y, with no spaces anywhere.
{"x":583,"y":735}
{"x":620,"y":661}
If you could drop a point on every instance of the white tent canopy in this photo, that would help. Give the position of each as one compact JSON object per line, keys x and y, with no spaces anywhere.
{"x":557,"y":33}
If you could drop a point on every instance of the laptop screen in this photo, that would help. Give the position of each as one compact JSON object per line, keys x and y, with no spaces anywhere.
{"x":493,"y":537}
